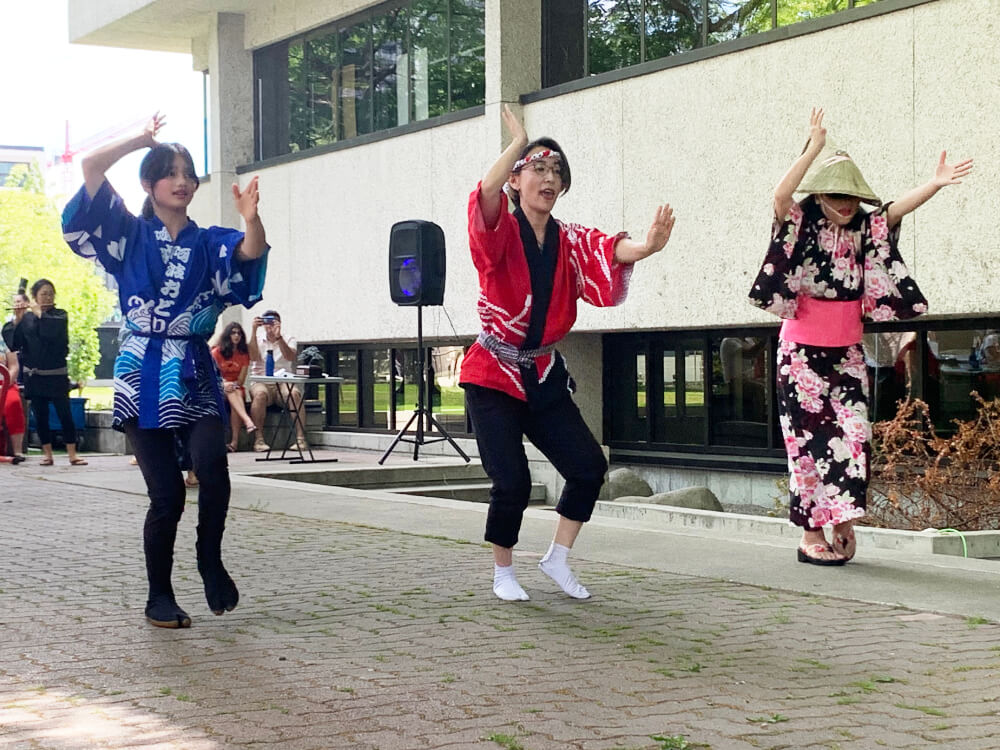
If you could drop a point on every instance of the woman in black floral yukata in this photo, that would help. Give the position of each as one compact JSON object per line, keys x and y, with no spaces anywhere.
{"x":829,"y":267}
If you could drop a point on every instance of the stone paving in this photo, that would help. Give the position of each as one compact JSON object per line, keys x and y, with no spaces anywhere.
{"x":356,"y":637}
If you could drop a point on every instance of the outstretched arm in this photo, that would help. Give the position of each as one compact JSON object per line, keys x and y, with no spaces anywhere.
{"x":784,"y":193}
{"x":96,"y":163}
{"x":630,"y":251}
{"x":489,"y":198}
{"x":254,"y":242}
{"x":945,"y":174}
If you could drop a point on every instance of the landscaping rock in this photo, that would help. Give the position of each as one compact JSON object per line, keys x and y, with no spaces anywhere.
{"x":626,"y":483}
{"x":699,"y":498}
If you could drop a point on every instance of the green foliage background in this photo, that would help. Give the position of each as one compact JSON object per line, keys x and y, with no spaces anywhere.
{"x":32,"y":247}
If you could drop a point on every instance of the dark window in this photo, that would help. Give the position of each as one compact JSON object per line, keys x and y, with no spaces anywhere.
{"x":714,"y":391}
{"x":589,"y":37}
{"x":380,"y":386}
{"x":396,"y":63}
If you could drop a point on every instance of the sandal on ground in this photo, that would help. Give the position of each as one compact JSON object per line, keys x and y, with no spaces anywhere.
{"x":845,"y":544}
{"x":18,"y":458}
{"x":77,"y":462}
{"x":230,"y":448}
{"x":45,"y":462}
{"x":163,"y":612}
{"x":190,"y":482}
{"x":810,"y":553}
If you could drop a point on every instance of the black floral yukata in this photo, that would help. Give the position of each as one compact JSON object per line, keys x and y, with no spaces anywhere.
{"x":823,"y":390}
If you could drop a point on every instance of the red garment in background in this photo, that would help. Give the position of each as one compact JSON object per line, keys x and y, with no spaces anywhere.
{"x":13,"y":412}
{"x":230,"y":368}
{"x":585,"y":269}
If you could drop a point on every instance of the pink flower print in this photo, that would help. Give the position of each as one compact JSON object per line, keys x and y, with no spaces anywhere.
{"x":827,"y":239}
{"x":884,"y":312}
{"x":768,"y":269}
{"x":793,"y":279}
{"x":789,"y":248}
{"x":920,"y":307}
{"x":809,"y":382}
{"x":791,"y":446}
{"x":855,"y":429}
{"x":810,"y":404}
{"x":879,"y":227}
{"x":841,"y":267}
{"x":847,"y":244}
{"x":878,"y":284}
{"x":795,"y":214}
{"x":820,"y":517}
{"x":899,"y":270}
{"x":786,"y":347}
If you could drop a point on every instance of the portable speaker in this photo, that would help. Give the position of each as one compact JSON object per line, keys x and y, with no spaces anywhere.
{"x":416,"y":263}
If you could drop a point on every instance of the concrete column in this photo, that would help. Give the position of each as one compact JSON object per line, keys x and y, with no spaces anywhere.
{"x":230,"y":69}
{"x":513,"y":60}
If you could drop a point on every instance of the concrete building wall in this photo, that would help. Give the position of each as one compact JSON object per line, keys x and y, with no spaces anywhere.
{"x":712,"y":138}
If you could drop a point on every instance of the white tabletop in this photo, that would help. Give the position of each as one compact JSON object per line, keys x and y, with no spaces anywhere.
{"x":294,"y":379}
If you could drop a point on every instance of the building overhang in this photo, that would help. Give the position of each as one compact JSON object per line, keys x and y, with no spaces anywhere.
{"x":159,"y":25}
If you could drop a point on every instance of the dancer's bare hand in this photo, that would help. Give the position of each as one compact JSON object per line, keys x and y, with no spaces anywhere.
{"x":951,"y":174}
{"x":247,"y":200}
{"x":817,"y":133}
{"x":153,"y":127}
{"x":659,"y":231}
{"x":514,"y":126}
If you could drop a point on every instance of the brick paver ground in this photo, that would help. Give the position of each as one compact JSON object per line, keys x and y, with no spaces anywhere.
{"x":353,"y":637}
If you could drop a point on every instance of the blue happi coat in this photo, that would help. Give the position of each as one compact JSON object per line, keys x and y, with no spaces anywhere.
{"x":171,"y":291}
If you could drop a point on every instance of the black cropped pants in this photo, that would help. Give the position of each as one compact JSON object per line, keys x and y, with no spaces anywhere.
{"x":157,"y":452}
{"x":501,"y":423}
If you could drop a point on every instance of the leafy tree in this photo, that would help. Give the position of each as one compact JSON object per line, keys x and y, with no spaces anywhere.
{"x":32,"y":247}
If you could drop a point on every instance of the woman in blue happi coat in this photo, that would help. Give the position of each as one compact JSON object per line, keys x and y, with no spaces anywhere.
{"x":174,"y":279}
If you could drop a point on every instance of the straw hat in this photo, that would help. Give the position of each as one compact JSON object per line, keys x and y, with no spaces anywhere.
{"x":834,"y":171}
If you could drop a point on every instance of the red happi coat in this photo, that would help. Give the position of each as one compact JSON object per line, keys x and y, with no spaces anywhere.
{"x":585,"y":269}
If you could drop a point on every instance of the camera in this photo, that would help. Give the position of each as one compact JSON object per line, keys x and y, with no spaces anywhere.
{"x":268,"y":320}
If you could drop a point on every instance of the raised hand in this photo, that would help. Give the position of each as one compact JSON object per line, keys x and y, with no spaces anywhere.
{"x":246,"y":200}
{"x":817,"y":133}
{"x":514,"y":126}
{"x":153,"y":127}
{"x":660,"y":229}
{"x":950,"y":174}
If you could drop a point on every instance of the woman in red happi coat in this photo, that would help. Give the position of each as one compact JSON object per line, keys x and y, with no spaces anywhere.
{"x":532,"y":270}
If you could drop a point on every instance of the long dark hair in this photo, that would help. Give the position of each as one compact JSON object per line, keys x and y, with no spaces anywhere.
{"x":159,"y":163}
{"x":226,"y":341}
{"x":564,"y":172}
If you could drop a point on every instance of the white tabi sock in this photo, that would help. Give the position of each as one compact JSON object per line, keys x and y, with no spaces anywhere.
{"x":554,"y":565}
{"x":505,"y":584}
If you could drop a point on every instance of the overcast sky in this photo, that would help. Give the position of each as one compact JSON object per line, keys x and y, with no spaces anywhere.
{"x":47,"y":81}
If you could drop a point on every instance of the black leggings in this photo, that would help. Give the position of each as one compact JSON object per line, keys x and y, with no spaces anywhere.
{"x":501,"y":422}
{"x":40,"y":407}
{"x":157,"y":454}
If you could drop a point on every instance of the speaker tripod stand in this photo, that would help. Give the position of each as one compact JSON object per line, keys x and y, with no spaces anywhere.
{"x":422,"y":414}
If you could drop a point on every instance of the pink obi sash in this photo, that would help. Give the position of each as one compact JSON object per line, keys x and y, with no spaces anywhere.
{"x":821,"y":322}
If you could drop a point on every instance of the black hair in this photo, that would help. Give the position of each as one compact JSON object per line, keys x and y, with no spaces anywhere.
{"x":226,"y":342}
{"x":39,"y":284}
{"x":159,"y":163}
{"x":564,"y":171}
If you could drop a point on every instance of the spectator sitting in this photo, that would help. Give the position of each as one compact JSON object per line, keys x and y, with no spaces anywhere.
{"x":232,"y":356}
{"x":266,"y":336}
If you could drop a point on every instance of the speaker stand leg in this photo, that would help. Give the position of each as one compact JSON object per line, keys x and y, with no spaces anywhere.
{"x":399,"y":436}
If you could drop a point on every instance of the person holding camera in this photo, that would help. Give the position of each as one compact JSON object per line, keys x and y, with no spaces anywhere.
{"x":267,"y":341}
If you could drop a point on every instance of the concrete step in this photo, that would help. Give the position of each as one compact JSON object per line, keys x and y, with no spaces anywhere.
{"x":476,"y":492}
{"x":382,"y":477}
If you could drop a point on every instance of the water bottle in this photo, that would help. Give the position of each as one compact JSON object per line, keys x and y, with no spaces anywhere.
{"x":269,"y":363}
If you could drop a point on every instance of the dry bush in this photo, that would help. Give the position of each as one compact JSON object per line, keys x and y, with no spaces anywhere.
{"x":921,"y":480}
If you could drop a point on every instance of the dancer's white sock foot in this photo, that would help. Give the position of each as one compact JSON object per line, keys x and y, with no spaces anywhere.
{"x":505,"y":584}
{"x":554,"y":565}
